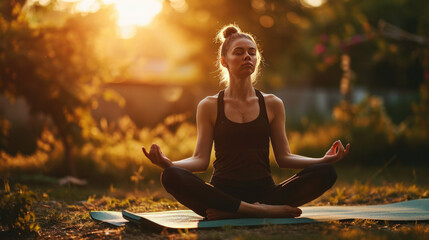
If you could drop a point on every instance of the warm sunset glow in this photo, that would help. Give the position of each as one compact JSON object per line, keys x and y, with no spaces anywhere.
{"x":133,"y":13}
{"x":312,"y":3}
{"x":130,"y":13}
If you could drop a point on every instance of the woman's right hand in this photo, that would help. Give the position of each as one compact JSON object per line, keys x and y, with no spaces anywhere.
{"x":156,"y":156}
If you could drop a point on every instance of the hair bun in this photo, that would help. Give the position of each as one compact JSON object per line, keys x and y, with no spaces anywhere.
{"x":227,"y":32}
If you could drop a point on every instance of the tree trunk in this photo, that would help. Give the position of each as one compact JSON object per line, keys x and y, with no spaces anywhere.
{"x":69,"y":163}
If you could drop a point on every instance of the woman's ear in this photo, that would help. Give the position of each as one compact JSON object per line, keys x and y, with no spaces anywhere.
{"x":223,"y":62}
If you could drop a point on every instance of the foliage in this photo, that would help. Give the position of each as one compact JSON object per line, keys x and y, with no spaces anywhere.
{"x":54,"y":68}
{"x":373,"y":137}
{"x":117,"y":149}
{"x":49,"y":150}
{"x":302,"y":45}
{"x":137,"y":177}
{"x":419,"y":121}
{"x":16,"y":209}
{"x":367,"y":126}
{"x":379,"y":60}
{"x":366,"y":193}
{"x":113,"y":153}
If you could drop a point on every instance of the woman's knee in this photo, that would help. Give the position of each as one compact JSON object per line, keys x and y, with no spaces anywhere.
{"x":327,"y":173}
{"x":170,"y":177}
{"x":330,"y":174}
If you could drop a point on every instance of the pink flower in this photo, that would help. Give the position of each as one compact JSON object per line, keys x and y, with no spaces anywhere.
{"x":319,"y":49}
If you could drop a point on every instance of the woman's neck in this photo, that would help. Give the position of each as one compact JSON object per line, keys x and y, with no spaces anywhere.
{"x":240,"y":89}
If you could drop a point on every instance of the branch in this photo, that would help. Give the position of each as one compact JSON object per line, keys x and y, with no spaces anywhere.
{"x":391,"y":31}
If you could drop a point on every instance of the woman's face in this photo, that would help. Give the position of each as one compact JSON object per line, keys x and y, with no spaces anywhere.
{"x":241,"y":58}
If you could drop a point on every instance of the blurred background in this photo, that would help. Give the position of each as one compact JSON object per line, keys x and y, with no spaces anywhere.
{"x":85,"y":83}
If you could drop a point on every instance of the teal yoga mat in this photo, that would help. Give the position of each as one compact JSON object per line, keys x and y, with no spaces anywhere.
{"x":414,"y":210}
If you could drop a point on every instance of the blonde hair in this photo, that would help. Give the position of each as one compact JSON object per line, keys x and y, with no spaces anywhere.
{"x":226,"y":37}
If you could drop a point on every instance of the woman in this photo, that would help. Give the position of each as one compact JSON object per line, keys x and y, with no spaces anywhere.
{"x":241,"y":120}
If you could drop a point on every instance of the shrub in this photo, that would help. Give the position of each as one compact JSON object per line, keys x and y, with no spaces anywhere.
{"x":374,"y":138}
{"x":16,"y":210}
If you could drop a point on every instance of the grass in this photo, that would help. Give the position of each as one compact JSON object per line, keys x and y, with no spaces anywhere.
{"x":65,"y":213}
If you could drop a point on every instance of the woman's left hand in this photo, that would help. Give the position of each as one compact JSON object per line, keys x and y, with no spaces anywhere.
{"x":336,"y":152}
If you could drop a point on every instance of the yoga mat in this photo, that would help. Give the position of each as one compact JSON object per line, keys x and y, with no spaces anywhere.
{"x":414,"y":210}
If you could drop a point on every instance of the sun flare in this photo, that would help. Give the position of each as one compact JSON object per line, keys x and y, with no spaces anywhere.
{"x":313,"y":3}
{"x":135,"y":12}
{"x":130,"y":13}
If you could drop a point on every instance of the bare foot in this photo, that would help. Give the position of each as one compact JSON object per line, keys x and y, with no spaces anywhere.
{"x":278,"y":211}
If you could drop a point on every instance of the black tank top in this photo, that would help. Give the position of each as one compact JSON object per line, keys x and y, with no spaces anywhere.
{"x":242,"y":149}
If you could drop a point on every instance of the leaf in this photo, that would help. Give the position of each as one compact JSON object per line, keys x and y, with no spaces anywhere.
{"x":27,"y":217}
{"x":6,"y":186}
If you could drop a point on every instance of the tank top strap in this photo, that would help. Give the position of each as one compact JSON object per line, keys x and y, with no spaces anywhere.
{"x":220,"y":105}
{"x":262,"y":106}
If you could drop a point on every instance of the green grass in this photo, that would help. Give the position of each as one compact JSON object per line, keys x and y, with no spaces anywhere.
{"x":65,"y":213}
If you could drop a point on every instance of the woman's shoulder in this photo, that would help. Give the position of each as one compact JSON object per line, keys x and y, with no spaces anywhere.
{"x":271,"y":99}
{"x":273,"y":104}
{"x":208,"y":107}
{"x":208,"y":103}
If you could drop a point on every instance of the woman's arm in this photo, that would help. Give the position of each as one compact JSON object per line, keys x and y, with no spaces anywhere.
{"x":200,"y":160}
{"x":279,"y":141}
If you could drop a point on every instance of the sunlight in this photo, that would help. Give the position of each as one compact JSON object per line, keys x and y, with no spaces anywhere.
{"x":312,"y":3}
{"x":130,"y":13}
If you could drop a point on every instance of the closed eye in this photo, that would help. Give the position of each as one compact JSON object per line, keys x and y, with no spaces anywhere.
{"x":238,"y":51}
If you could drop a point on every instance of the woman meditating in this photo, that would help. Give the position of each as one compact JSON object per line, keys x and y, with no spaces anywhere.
{"x":241,"y":121}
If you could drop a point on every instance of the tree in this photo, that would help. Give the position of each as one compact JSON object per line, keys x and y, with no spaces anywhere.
{"x":55,"y":68}
{"x":303,"y":46}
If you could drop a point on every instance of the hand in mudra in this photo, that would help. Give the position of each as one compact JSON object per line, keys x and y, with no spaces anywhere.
{"x":156,"y":156}
{"x":336,"y":152}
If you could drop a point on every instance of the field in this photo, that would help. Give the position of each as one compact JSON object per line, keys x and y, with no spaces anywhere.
{"x":63,"y":212}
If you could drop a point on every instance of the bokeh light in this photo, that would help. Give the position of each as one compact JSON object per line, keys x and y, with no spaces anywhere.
{"x":130,"y":13}
{"x":266,"y":21}
{"x":312,"y":3}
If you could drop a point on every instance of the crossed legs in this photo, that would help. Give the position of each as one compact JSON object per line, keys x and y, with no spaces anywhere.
{"x":209,"y":201}
{"x":196,"y":194}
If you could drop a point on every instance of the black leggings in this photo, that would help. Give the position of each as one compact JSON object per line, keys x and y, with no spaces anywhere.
{"x":199,"y":196}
